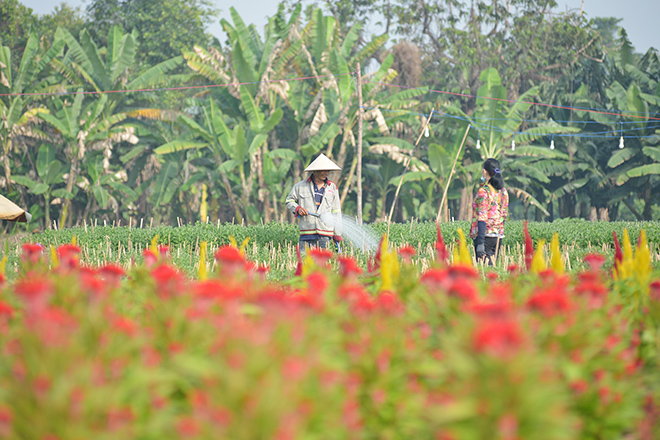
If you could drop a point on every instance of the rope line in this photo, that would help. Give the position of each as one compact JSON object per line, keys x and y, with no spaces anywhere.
{"x":481,"y":126}
{"x":157,"y":89}
{"x":542,"y":104}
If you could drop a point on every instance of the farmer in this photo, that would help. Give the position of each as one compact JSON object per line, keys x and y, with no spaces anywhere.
{"x":312,"y":197}
{"x":489,"y":211}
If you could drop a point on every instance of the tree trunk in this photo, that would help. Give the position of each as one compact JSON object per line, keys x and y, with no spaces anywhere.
{"x":465,"y":208}
{"x":647,"y":213}
{"x":593,"y":214}
{"x":603,"y":214}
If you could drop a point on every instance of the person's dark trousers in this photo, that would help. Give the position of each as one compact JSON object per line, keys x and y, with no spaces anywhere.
{"x":492,"y":247}
{"x":322,"y":242}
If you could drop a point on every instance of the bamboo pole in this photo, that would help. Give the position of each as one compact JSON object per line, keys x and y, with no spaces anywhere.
{"x":405,"y":170}
{"x":451,"y":173}
{"x":359,"y":144}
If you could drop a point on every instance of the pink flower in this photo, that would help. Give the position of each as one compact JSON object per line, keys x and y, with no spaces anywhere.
{"x":497,"y":337}
{"x":317,"y":283}
{"x":655,"y":290}
{"x":230,"y":260}
{"x":68,"y":255}
{"x":35,"y":292}
{"x":436,"y":279}
{"x":113,"y":273}
{"x":320,"y":256}
{"x":348,"y":266}
{"x":32,"y":252}
{"x":440,"y":248}
{"x":406,"y":253}
{"x":595,"y":261}
{"x":463,"y":272}
{"x":550,"y":302}
{"x":463,"y":290}
{"x":389,"y":303}
{"x":150,"y":258}
{"x":168,"y":280}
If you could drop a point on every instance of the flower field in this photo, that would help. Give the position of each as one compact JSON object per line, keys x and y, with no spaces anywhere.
{"x":383,"y":348}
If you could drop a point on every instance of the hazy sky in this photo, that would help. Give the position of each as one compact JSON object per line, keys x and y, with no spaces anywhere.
{"x":640,"y":17}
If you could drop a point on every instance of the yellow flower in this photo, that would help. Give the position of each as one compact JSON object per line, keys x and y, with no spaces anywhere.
{"x":642,"y":260}
{"x":556,"y":261}
{"x":202,"y":273}
{"x":389,"y":267}
{"x":462,"y":255}
{"x":204,"y":206}
{"x":538,"y":261}
{"x":53,"y":257}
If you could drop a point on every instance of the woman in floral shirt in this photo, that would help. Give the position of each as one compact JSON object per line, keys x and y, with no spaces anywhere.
{"x":489,"y":211}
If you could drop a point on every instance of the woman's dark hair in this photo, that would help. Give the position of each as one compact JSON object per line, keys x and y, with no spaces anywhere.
{"x":492,"y":167}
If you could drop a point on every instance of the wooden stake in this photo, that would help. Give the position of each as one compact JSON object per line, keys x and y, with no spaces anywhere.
{"x":405,"y":170}
{"x":453,"y":167}
{"x":359,"y":145}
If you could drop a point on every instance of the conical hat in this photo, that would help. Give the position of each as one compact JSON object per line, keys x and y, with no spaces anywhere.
{"x":322,"y":163}
{"x":9,"y":211}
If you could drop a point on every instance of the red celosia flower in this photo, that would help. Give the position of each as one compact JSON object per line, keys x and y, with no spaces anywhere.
{"x":119,"y":418}
{"x":124,"y":325}
{"x":168,"y":280}
{"x":230,"y":259}
{"x":163,"y":251}
{"x":389,"y":303}
{"x":54,"y":326}
{"x":513,"y":268}
{"x":497,"y":309}
{"x":497,"y":337}
{"x":550,"y":301}
{"x":529,"y":247}
{"x":320,"y":256}
{"x":6,"y":417}
{"x":595,"y":261}
{"x":655,"y":290}
{"x":463,"y":290}
{"x":364,"y":303}
{"x":463,"y":272}
{"x":211,"y":290}
{"x":436,"y":279}
{"x":306,"y":299}
{"x":579,"y":386}
{"x":32,"y":252}
{"x":113,"y":273}
{"x":300,"y":263}
{"x":317,"y":283}
{"x":5,"y":310}
{"x":68,"y":255}
{"x":406,"y":253}
{"x":91,"y":284}
{"x":352,"y":292}
{"x":35,"y":292}
{"x":594,"y":291}
{"x":262,"y":270}
{"x":150,"y":258}
{"x":229,"y":254}
{"x":348,"y":266}
{"x":187,"y":427}
{"x":440,"y":248}
{"x":618,"y":254}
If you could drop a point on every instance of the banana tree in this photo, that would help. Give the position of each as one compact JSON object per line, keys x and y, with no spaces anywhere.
{"x":498,"y":124}
{"x":49,"y":174}
{"x":635,"y":165}
{"x":82,"y":128}
{"x":231,"y":148}
{"x":18,"y":109}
